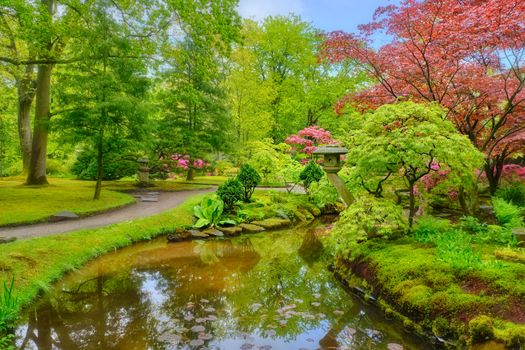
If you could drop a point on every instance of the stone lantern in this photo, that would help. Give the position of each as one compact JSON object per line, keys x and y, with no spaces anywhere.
{"x":332,"y":157}
{"x":143,"y":172}
{"x":331,"y":165}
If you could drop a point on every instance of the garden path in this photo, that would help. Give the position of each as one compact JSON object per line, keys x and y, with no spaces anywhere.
{"x":165,"y":201}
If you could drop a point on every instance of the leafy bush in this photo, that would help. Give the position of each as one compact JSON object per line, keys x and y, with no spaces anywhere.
{"x":8,"y":310}
{"x":454,"y":248}
{"x":429,"y":227}
{"x":230,"y":192}
{"x":323,"y":193}
{"x":115,"y":166}
{"x":472,"y":225}
{"x":209,"y":213}
{"x":249,"y":179}
{"x":497,"y":234}
{"x":514,"y":193}
{"x":507,"y":214}
{"x":311,"y":173}
{"x":368,"y":217}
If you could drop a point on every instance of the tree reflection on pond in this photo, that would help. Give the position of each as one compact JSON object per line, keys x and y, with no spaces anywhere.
{"x":265,"y":291}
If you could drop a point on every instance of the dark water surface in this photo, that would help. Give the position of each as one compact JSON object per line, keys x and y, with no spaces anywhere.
{"x":265,"y":291}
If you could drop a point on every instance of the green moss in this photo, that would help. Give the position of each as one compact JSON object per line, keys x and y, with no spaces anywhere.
{"x":420,"y":286}
{"x":481,"y":329}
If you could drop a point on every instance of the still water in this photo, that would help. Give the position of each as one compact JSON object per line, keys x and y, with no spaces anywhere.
{"x":260,"y":292}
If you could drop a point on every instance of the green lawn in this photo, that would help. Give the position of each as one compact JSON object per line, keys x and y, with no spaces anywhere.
{"x":21,"y":204}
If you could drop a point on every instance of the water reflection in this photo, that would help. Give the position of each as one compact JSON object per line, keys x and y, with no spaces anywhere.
{"x":266,"y":291}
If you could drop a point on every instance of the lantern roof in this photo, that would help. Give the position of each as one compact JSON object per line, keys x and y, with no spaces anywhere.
{"x":331,"y":149}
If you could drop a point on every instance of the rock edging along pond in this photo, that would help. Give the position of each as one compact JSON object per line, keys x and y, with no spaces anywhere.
{"x":460,"y":312}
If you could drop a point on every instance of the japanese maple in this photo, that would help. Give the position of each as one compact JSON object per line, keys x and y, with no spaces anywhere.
{"x":469,"y":56}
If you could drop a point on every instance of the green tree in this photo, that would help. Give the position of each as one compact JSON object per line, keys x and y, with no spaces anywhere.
{"x":407,"y":141}
{"x":249,"y":179}
{"x":104,"y":95}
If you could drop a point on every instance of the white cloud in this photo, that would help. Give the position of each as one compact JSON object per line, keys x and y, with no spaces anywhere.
{"x":259,"y":9}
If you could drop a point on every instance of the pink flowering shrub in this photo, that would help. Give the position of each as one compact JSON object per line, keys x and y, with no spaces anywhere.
{"x":514,"y":170}
{"x":183,"y":161}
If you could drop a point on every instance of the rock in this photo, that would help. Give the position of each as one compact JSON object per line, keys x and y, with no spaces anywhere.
{"x":213,"y":232}
{"x":4,"y":239}
{"x":486,"y":214}
{"x":519,"y":233}
{"x":231,"y":231}
{"x":315,"y":211}
{"x":174,"y":238}
{"x":149,"y":199}
{"x":251,"y":228}
{"x":272,"y":223}
{"x":63,"y":215}
{"x":198,"y":234}
{"x":183,"y":233}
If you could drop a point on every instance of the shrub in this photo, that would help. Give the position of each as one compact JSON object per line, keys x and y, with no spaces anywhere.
{"x":472,"y":225}
{"x":249,"y":179}
{"x":368,"y":217}
{"x":230,"y":192}
{"x":115,"y":166}
{"x":507,"y":213}
{"x":323,"y":193}
{"x":429,"y":227}
{"x":209,"y":213}
{"x":514,"y":193}
{"x":311,"y":173}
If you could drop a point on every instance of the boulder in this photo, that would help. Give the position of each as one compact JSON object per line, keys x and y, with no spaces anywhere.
{"x":519,"y":233}
{"x":231,"y":231}
{"x":198,"y":234}
{"x":272,"y":223}
{"x":213,"y":232}
{"x":4,"y":239}
{"x":63,"y":215}
{"x":251,"y":228}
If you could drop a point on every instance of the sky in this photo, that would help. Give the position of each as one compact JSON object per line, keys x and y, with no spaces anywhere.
{"x":328,"y":15}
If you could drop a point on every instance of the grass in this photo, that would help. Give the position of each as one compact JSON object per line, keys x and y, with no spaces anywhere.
{"x":38,"y":262}
{"x":21,"y":204}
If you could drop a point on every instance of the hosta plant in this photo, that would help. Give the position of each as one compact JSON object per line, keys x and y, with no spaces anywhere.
{"x":209,"y":213}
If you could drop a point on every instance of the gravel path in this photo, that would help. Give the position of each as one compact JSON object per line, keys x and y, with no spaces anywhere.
{"x":165,"y":201}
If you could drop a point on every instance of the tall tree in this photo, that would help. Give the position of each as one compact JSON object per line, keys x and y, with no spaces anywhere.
{"x":277,"y":84}
{"x":467,"y":56}
{"x":104,"y":95}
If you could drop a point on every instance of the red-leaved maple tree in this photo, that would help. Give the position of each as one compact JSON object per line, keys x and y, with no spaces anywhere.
{"x":467,"y":55}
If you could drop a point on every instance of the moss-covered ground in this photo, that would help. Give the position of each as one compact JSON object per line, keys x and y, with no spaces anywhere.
{"x":433,"y":295}
{"x":21,"y":204}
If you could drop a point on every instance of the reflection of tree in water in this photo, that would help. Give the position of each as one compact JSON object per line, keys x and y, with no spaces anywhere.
{"x":152,"y":297}
{"x":311,"y":248}
{"x":99,"y":312}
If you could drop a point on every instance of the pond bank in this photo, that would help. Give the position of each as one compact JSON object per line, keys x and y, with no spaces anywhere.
{"x":475,"y":309}
{"x":37,"y":263}
{"x":269,"y":290}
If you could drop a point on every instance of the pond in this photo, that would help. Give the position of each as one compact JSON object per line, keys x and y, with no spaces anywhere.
{"x":265,"y":291}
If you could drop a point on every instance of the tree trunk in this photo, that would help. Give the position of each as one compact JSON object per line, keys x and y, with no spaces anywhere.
{"x":100,"y":166}
{"x":26,"y":93}
{"x":37,"y":165}
{"x":412,"y":205}
{"x":190,"y":175}
{"x":493,"y":171}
